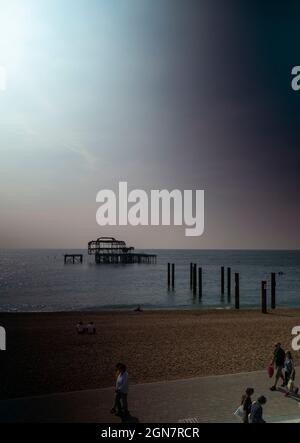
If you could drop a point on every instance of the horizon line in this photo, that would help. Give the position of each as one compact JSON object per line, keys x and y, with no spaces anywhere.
{"x":154,"y":249}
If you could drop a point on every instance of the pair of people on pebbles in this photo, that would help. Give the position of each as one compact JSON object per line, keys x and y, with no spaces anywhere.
{"x":88,"y":328}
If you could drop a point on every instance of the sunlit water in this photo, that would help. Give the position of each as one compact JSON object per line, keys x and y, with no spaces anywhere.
{"x":38,"y":280}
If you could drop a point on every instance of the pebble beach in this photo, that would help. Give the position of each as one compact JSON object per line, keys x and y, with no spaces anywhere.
{"x":46,"y":355}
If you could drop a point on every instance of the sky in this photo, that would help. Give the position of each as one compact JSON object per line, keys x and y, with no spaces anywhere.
{"x":163,"y":94}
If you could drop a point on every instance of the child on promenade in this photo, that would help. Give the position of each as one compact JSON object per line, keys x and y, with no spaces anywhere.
{"x":256,"y":414}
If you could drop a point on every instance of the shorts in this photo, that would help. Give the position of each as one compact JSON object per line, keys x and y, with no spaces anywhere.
{"x":279,"y":371}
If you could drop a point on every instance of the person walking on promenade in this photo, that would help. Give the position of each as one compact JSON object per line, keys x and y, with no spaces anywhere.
{"x":289,"y":369}
{"x":290,"y":375}
{"x":120,"y":407}
{"x":256,"y":414}
{"x":278,"y":361}
{"x":247,"y":403}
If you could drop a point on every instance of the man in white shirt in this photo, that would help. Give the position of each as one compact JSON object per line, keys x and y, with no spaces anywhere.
{"x":121,"y":406}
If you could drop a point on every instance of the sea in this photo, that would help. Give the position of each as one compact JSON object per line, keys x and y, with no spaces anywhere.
{"x":39,"y":281}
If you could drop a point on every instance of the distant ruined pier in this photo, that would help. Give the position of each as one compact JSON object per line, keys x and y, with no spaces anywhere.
{"x":108,"y":250}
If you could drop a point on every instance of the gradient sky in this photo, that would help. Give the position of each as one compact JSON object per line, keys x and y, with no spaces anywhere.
{"x":161,"y":93}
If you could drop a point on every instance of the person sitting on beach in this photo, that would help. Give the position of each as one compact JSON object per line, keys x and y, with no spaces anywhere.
{"x":91,"y":328}
{"x":278,"y":360}
{"x":80,"y":327}
{"x":138,"y":309}
{"x":247,"y":403}
{"x":256,"y":414}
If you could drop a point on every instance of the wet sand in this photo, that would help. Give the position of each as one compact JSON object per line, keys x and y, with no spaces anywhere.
{"x":46,"y":355}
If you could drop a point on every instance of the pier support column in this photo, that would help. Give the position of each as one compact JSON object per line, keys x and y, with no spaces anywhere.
{"x":173,"y":275}
{"x":229,"y":283}
{"x":273,"y":290}
{"x":264,"y":297}
{"x":200,"y":281}
{"x":237,"y":290}
{"x":222,"y":280}
{"x":194,"y":279}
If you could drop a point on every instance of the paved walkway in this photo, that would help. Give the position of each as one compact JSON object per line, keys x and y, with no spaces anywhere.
{"x":196,"y":400}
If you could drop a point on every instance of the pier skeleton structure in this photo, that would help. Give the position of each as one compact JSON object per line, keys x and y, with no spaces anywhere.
{"x":108,"y":250}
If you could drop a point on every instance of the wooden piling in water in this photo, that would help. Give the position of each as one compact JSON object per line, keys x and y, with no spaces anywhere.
{"x":222,"y":280}
{"x":169,"y":275}
{"x":173,"y":275}
{"x":237,"y":290}
{"x":229,"y":283}
{"x":264,"y":297}
{"x":273,"y":290}
{"x":194,"y":279}
{"x":191,"y":275}
{"x":200,"y":281}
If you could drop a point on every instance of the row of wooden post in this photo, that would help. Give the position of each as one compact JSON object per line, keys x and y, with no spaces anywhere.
{"x":193,"y":285}
{"x":237,"y":289}
{"x":236,"y":286}
{"x":193,"y":279}
{"x":228,"y":281}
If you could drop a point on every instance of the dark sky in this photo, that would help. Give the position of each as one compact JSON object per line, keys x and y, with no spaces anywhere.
{"x":163,"y":94}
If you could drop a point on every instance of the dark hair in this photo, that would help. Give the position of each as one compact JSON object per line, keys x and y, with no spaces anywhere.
{"x":249,"y":391}
{"x":262,"y":400}
{"x":121,"y":367}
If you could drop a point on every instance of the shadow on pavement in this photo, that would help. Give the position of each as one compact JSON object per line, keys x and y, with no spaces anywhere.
{"x":130,"y":419}
{"x":288,"y":394}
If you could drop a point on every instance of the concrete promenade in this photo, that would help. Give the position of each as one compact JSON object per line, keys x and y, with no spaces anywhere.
{"x":196,"y":400}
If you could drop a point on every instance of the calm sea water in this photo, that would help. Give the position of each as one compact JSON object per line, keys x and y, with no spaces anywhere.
{"x":38,"y":280}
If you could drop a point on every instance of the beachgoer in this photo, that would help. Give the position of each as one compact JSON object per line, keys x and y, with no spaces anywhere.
{"x":256,"y":414}
{"x":114,"y":409}
{"x":278,"y":361}
{"x":290,"y":375}
{"x":91,"y":328}
{"x":138,"y":309}
{"x":80,"y":327}
{"x":247,"y":403}
{"x":121,"y":405}
{"x":289,"y":369}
